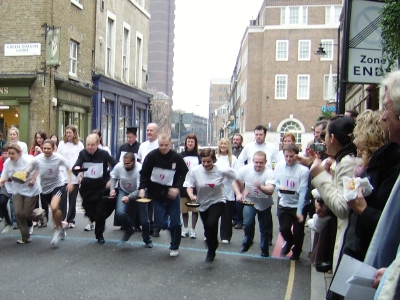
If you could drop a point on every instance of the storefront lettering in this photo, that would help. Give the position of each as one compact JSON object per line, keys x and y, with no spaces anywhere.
{"x":74,"y":98}
{"x":3,"y":90}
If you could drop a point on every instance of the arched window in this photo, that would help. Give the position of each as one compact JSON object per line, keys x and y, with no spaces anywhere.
{"x":292,"y":127}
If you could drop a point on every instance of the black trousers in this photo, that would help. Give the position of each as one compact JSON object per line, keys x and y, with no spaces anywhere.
{"x":210,"y":219}
{"x":225,"y":229}
{"x":287,"y":218}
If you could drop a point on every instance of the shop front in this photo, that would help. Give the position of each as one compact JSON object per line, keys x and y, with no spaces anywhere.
{"x":117,"y":106}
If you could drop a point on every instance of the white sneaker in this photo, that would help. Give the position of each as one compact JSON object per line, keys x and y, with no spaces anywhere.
{"x":89,"y":227}
{"x":56,"y":236}
{"x":173,"y":253}
{"x":7,"y":228}
{"x":31,"y":229}
{"x":64,"y":224}
{"x":192,"y":234}
{"x":225,"y":242}
{"x":71,"y":225}
{"x":185,"y":232}
{"x":63,"y":233}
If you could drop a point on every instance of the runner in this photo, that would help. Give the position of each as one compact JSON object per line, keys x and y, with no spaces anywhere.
{"x":25,"y":194}
{"x":93,"y":185}
{"x":48,"y":164}
{"x":208,"y":179}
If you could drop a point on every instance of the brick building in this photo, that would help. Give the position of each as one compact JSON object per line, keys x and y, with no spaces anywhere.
{"x":218,"y":109}
{"x":39,"y":92}
{"x":277,"y":81}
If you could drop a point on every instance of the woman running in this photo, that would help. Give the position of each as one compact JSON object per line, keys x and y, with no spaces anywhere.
{"x":208,"y":179}
{"x":25,"y":194}
{"x":48,"y":164}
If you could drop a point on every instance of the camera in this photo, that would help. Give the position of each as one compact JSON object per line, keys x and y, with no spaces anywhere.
{"x":318,"y":147}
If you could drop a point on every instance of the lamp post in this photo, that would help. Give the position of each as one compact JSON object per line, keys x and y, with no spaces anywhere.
{"x":322,"y":52}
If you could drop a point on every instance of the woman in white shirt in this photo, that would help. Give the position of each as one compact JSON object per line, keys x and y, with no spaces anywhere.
{"x":208,"y":180}
{"x":26,"y":194}
{"x":226,"y":159}
{"x":70,"y":147}
{"x":53,"y":187}
{"x":13,"y":134}
{"x":101,"y":144}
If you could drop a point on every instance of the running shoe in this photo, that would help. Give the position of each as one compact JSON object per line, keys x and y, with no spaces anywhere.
{"x":56,"y":236}
{"x":89,"y":227}
{"x":225,"y":241}
{"x":173,"y":253}
{"x":24,"y":242}
{"x":7,"y":228}
{"x":192,"y":234}
{"x":43,"y":222}
{"x":185,"y":232}
{"x":31,"y":229}
{"x":15,"y":226}
{"x":71,"y":225}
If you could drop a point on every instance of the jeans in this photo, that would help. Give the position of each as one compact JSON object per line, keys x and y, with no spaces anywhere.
{"x":210,"y":219}
{"x":167,"y":215}
{"x":264,"y":223}
{"x":238,"y":213}
{"x":122,"y":212}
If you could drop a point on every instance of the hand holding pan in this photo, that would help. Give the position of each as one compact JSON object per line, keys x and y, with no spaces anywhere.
{"x":77,"y":171}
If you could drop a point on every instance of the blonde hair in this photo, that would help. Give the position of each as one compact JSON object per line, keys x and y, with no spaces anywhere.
{"x":15,"y":147}
{"x":368,"y":134}
{"x":228,"y":143}
{"x":75,"y":139}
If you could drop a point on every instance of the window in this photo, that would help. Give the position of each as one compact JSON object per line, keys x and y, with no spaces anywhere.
{"x":77,"y":118}
{"x":220,"y":98}
{"x":292,"y":127}
{"x":139,"y":60}
{"x":107,"y":126}
{"x":77,"y":4}
{"x":124,"y":121}
{"x":332,"y":14}
{"x":125,"y":55}
{"x":110,"y":45}
{"x":73,"y":58}
{"x":303,"y":87}
{"x":328,"y":48}
{"x":282,"y":50}
{"x":281,"y":86}
{"x":139,"y":122}
{"x":294,"y":15}
{"x":304,"y":50}
{"x":330,"y":84}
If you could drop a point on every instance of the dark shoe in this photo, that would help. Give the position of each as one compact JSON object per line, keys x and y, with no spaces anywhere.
{"x":101,"y":240}
{"x":295,"y":256}
{"x":210,"y":257}
{"x":127,"y":234}
{"x":234,"y":224}
{"x":149,"y":245}
{"x":156,"y":234}
{"x":286,"y":249}
{"x":265,"y":254}
{"x":245,"y":248}
{"x":323,"y":266}
{"x":238,"y":226}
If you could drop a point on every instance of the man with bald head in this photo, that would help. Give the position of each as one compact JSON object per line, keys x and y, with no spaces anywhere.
{"x":93,"y":183}
{"x":163,"y":173}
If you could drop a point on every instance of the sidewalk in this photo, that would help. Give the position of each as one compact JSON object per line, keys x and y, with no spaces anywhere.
{"x":319,"y":281}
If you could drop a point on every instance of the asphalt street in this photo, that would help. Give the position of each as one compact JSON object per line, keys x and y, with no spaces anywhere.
{"x":79,"y":268}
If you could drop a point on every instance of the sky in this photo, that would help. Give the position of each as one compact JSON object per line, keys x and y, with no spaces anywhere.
{"x":208,"y":34}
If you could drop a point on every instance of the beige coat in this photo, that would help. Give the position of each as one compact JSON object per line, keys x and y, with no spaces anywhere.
{"x":330,"y":187}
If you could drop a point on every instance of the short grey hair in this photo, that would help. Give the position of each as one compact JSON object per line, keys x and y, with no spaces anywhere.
{"x":392,"y":83}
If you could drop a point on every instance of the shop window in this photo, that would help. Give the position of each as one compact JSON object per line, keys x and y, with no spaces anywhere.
{"x":124,"y":121}
{"x":107,"y":122}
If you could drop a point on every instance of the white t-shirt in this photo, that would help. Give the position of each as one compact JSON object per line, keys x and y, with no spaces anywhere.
{"x":209,"y":184}
{"x":105,"y":148}
{"x":248,"y":152}
{"x":23,"y":189}
{"x":222,"y":160}
{"x":70,"y":152}
{"x":23,"y":146}
{"x":293,"y":178}
{"x":145,"y":148}
{"x":248,"y":175}
{"x":49,"y":169}
{"x":128,"y":180}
